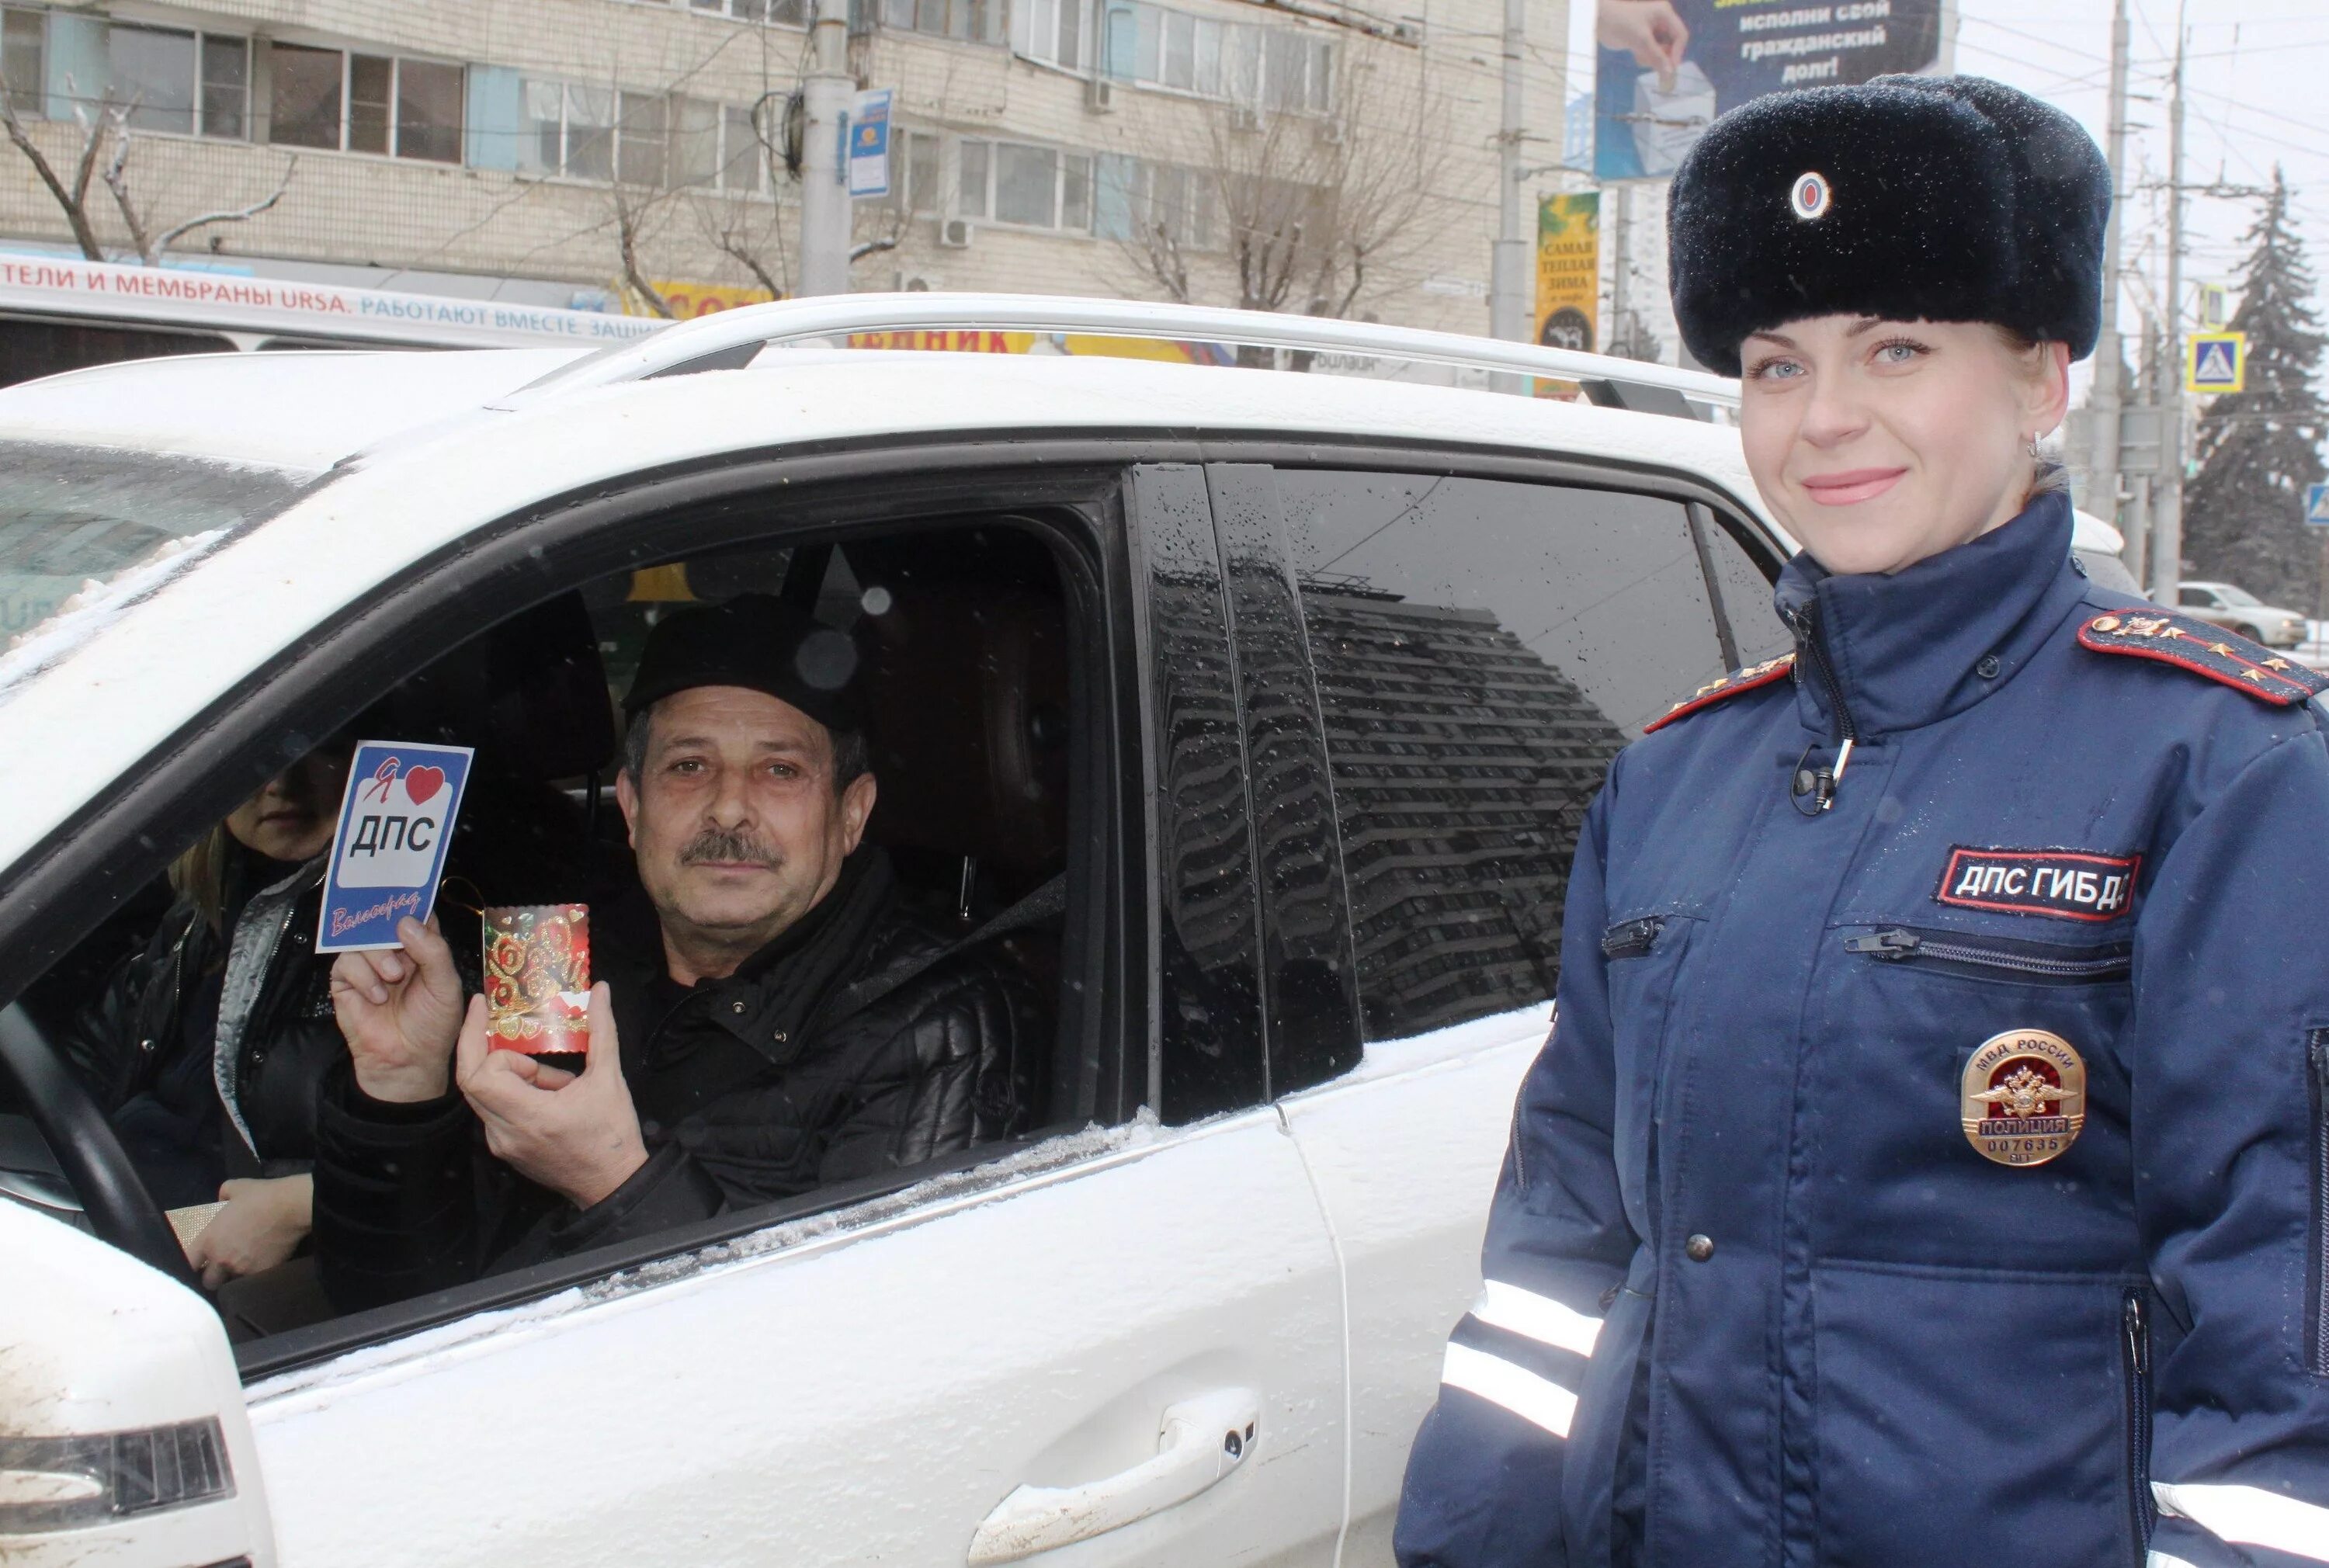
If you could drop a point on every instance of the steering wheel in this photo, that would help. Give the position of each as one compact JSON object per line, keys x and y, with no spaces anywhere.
{"x":119,"y":1208}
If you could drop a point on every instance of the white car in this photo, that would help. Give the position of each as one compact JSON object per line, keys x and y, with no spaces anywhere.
{"x":1301,"y":681}
{"x":2229,"y":605}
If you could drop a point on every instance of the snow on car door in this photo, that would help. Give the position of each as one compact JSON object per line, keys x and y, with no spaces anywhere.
{"x":875,"y":1387}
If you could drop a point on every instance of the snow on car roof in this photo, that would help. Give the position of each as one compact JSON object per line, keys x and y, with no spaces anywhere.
{"x":302,"y":409}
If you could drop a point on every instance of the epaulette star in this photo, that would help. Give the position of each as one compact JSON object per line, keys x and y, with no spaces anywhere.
{"x":2203,"y":650}
{"x":1729,"y":686}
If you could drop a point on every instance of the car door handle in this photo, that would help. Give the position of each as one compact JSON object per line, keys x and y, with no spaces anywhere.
{"x":1198,"y":1442}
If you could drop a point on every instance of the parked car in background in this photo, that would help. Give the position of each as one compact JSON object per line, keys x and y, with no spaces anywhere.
{"x":2238,"y":610}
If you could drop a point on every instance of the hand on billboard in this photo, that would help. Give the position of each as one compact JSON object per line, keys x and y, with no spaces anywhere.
{"x":400,"y":1010}
{"x":1649,"y":31}
{"x":577,"y":1134}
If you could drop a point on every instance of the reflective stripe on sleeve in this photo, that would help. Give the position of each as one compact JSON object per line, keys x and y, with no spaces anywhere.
{"x":1540,"y":1317}
{"x":1533,"y":1399}
{"x":2249,"y":1516}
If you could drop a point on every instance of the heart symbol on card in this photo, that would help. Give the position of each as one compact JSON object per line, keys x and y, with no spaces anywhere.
{"x":422,"y":783}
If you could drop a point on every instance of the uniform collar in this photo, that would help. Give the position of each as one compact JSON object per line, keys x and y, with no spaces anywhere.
{"x":1915,"y":647}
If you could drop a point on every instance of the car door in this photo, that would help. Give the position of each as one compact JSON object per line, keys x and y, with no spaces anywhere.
{"x":1479,"y":650}
{"x":1121,"y":1345}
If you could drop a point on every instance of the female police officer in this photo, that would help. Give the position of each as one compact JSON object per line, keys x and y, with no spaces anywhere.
{"x":1927,"y":1166}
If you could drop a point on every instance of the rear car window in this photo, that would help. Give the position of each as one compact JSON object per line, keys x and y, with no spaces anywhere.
{"x":1482,"y":649}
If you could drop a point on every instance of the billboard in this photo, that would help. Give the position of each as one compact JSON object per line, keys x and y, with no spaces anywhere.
{"x":1567,"y":270}
{"x":1664,"y":69}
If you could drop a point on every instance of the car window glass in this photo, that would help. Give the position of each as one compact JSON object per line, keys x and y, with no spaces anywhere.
{"x":72,"y":520}
{"x":1756,"y":633}
{"x":2238,"y":597}
{"x":1482,"y":649}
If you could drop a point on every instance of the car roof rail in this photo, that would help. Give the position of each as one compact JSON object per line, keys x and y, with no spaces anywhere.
{"x":731,"y":339}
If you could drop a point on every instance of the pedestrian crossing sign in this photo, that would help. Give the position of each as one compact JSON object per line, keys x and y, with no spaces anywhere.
{"x":2216,"y":362}
{"x":2316,"y":506}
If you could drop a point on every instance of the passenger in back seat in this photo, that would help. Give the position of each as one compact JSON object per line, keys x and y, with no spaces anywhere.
{"x":769,"y":1020}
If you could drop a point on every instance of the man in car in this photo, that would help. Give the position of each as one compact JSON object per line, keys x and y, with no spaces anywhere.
{"x":769,"y":1021}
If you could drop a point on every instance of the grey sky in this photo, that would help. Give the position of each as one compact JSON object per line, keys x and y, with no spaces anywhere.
{"x":2257,"y":90}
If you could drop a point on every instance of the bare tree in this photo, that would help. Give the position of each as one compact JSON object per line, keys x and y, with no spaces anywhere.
{"x":634,"y":209}
{"x":1288,"y":210}
{"x":110,"y":123}
{"x":74,"y":198}
{"x":149,"y":245}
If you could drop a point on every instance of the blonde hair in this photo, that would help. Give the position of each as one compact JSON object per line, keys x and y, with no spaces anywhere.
{"x":198,"y":874}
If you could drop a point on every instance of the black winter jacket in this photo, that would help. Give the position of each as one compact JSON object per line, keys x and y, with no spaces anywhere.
{"x":810,"y":1066}
{"x":209,"y":1059}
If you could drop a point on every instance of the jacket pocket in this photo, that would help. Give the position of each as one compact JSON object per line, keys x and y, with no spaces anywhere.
{"x":2316,"y":1077}
{"x":1632,"y":938}
{"x":2135,"y":1352}
{"x":1995,"y":957}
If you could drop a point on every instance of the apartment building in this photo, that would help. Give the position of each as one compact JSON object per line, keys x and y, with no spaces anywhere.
{"x":551,"y":150}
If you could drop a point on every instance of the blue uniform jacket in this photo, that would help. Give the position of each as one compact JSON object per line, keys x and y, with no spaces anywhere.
{"x":1811,"y":1248}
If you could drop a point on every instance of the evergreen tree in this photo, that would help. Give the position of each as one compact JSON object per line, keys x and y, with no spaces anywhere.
{"x":2243,"y":514}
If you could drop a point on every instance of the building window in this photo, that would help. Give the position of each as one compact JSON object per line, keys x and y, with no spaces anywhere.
{"x":24,"y":59}
{"x":181,"y":83}
{"x":587,"y":133}
{"x":913,"y":170}
{"x":1031,"y":186}
{"x":1056,"y":32}
{"x":792,"y":12}
{"x":343,"y":101}
{"x":1136,"y":197}
{"x":973,"y":21}
{"x":1274,"y":68}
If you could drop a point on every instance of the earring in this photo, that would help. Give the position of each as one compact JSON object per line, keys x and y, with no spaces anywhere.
{"x":2032,"y":444}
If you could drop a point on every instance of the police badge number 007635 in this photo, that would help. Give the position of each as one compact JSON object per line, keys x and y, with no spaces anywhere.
{"x":2024,"y":1097}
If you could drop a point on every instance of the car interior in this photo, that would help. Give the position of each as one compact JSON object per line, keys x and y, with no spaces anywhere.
{"x":962,"y":628}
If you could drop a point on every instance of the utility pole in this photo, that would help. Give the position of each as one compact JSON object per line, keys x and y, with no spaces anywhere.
{"x":1619,"y":334}
{"x":2167,"y":521}
{"x":827,"y":93}
{"x":1509,"y":291}
{"x":2102,"y":406}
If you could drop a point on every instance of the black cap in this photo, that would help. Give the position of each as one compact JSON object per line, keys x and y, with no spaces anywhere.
{"x":756,"y":641}
{"x":1912,"y":198}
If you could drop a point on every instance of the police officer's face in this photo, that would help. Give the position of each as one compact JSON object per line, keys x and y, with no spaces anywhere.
{"x":738,"y":825}
{"x":1880,"y":443}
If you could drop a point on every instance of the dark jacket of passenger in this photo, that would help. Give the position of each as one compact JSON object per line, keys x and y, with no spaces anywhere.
{"x":811,"y":1064}
{"x":207,"y":1055}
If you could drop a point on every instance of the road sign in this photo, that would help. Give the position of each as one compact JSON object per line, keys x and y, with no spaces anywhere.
{"x":2216,"y":362}
{"x":869,"y":143}
{"x":2316,"y":506}
{"x":2212,"y":307}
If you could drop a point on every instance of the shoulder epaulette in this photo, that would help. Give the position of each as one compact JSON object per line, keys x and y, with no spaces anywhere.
{"x":1723,"y":691}
{"x":2204,"y":650}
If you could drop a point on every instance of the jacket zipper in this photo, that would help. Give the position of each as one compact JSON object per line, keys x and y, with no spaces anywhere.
{"x":1809,"y":654}
{"x":1895,"y":946}
{"x":2318,"y":1050}
{"x":2135,"y":1347}
{"x":1632,"y":938}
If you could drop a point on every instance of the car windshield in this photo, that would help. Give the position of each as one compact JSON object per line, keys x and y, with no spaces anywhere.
{"x":2240,"y":597}
{"x":84,"y":528}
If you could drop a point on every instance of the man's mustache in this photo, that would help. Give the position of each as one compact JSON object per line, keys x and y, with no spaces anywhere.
{"x":728,"y":845}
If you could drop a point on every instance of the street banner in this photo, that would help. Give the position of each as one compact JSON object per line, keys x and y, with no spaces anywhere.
{"x":869,"y":145}
{"x":2216,"y":362}
{"x":1568,"y":271}
{"x":1665,"y":68}
{"x":396,"y":820}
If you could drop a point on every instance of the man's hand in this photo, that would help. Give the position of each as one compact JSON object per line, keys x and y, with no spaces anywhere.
{"x":1649,"y":31}
{"x":578,"y":1136}
{"x":260,"y":1227}
{"x":400,"y":1013}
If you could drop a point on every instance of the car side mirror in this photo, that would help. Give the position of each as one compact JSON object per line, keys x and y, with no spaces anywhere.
{"x":126,"y":1439}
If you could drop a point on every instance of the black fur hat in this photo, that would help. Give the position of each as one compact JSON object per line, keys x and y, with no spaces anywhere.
{"x":1913,"y":197}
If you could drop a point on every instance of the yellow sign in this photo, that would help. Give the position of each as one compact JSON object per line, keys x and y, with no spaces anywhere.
{"x":990,"y":342}
{"x":2212,"y":307}
{"x":2216,"y":362}
{"x":1567,"y":276}
{"x":689,"y":300}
